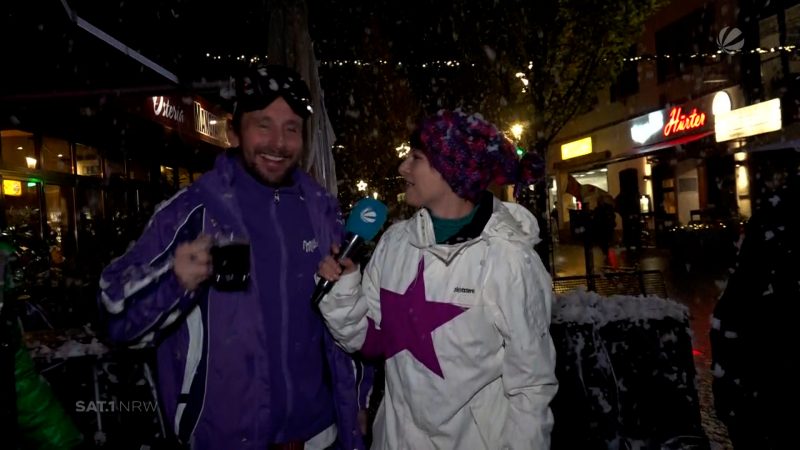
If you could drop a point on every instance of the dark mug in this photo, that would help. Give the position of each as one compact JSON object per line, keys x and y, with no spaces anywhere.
{"x":231,"y":263}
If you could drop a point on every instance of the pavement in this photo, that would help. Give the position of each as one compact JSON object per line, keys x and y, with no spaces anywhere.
{"x":698,"y":287}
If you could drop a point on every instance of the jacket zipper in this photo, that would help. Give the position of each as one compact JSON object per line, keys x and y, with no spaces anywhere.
{"x":283,"y":288}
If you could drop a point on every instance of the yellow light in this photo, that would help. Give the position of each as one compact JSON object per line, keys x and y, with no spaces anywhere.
{"x":31,"y":162}
{"x":375,"y":195}
{"x":644,"y":204}
{"x":742,"y":180}
{"x":721,"y":103}
{"x":576,"y":148}
{"x":516,"y":130}
{"x":12,"y":188}
{"x":743,"y":191}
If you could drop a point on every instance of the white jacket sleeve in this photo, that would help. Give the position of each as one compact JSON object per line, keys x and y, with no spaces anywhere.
{"x":522,"y":290}
{"x":352,"y":301}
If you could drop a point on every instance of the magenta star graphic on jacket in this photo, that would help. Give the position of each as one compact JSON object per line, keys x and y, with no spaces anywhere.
{"x":408,"y":319}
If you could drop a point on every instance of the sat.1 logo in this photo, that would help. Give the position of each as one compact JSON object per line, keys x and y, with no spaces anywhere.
{"x":730,"y":40}
{"x":369,"y":215}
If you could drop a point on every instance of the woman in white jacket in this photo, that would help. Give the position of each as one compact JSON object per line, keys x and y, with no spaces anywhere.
{"x":455,"y":299}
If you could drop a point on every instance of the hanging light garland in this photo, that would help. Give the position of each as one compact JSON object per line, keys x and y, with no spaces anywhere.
{"x":759,"y":50}
{"x":457,"y":64}
{"x":348,"y":62}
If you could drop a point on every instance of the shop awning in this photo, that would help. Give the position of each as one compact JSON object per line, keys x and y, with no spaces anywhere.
{"x":605,"y":158}
{"x":639,"y":151}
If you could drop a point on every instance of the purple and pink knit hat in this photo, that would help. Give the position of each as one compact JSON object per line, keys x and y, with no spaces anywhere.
{"x":471,"y":153}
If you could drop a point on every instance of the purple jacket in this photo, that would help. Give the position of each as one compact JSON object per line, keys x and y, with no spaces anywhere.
{"x":211,"y":346}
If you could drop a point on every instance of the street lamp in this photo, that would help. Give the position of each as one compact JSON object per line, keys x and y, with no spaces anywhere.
{"x":361,"y":185}
{"x":516,"y":130}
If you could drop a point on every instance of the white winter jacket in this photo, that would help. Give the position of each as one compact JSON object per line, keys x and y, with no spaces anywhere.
{"x":472,"y":364}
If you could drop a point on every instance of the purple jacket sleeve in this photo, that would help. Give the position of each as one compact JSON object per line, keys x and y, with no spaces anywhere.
{"x":139,"y":290}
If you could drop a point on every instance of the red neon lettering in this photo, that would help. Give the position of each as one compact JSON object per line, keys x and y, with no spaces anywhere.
{"x":679,"y":122}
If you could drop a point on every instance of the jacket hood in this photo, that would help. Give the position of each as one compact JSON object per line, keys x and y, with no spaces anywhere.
{"x":514,"y":222}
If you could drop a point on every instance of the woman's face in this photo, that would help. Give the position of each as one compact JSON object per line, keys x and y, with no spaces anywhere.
{"x":424,"y":184}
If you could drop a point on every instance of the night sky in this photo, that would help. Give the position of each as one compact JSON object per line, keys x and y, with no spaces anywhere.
{"x":46,"y":52}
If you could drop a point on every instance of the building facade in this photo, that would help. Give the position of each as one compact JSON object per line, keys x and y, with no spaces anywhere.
{"x":81,"y":177}
{"x":676,"y":128}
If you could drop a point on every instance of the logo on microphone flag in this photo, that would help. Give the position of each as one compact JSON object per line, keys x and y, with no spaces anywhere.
{"x":369,"y":215}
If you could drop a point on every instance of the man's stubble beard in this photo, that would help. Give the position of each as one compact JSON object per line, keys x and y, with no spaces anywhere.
{"x":251,"y":169}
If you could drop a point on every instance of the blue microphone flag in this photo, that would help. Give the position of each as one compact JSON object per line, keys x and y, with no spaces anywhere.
{"x":366,"y":218}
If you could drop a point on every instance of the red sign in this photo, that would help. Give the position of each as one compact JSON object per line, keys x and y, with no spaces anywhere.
{"x":679,"y":122}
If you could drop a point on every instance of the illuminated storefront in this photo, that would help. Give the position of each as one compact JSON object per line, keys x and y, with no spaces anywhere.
{"x":688,"y":163}
{"x":734,"y":127}
{"x":668,"y":157}
{"x":74,"y":183}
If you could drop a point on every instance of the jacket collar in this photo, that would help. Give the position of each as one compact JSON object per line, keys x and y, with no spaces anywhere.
{"x":508,"y":221}
{"x":218,"y":184}
{"x":225,"y":167}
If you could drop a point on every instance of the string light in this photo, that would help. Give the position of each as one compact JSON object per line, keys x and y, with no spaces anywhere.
{"x":348,"y":62}
{"x":759,"y":50}
{"x":455,"y":63}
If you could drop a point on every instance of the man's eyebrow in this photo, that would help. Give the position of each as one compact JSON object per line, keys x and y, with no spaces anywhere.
{"x":261,"y":119}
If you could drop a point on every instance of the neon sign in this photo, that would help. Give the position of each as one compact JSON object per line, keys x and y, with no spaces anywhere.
{"x":679,"y":122}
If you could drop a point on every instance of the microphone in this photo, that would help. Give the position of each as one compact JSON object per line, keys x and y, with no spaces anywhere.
{"x":363,"y":224}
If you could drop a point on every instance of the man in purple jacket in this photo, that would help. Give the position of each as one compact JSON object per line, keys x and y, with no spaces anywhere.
{"x":254,"y":368}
